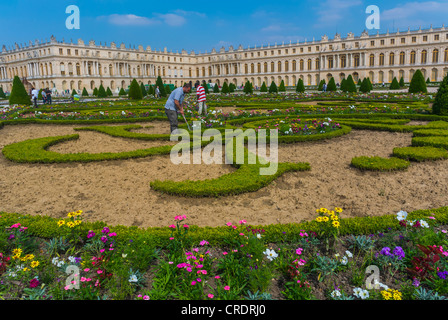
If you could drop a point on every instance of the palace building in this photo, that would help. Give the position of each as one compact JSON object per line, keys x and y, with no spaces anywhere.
{"x":381,"y":57}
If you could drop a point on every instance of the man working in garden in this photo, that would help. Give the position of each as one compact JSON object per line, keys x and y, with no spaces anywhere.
{"x":175,"y":104}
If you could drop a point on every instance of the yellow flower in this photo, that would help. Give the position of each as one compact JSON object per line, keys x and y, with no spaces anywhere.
{"x":334,"y":217}
{"x":77,"y":222}
{"x":70,"y":224}
{"x":336,"y":224}
{"x":319,"y":219}
{"x":324,"y":219}
{"x":26,"y":269}
{"x":17,"y":252}
{"x":71,"y":214}
{"x":339,"y":210}
{"x":61,"y":223}
{"x":386,"y":295}
{"x":79,"y":212}
{"x":34,"y":264}
{"x":331,"y":213}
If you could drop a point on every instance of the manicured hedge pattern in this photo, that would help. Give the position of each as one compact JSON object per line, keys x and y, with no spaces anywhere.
{"x":420,"y":153}
{"x":379,"y":164}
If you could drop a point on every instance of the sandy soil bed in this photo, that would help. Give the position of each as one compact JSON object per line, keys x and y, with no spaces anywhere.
{"x":118,"y":192}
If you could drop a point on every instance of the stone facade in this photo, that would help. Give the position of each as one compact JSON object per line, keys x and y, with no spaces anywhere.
{"x":67,"y":66}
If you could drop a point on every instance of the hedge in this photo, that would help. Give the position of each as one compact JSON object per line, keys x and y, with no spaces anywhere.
{"x":420,"y":153}
{"x":438,"y":142}
{"x":379,"y":164}
{"x":430,"y":132}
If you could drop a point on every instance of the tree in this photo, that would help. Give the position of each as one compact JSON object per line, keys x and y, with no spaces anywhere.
{"x":428,"y":81}
{"x":122,"y":92}
{"x":225,"y":88}
{"x":39,"y":95}
{"x":273,"y":88}
{"x":84,"y":92}
{"x":370,"y":84}
{"x":231,"y":87}
{"x":350,"y":85}
{"x":343,"y":83}
{"x":401,"y":82}
{"x":204,"y":84}
{"x":159,"y":83}
{"x":109,"y":92}
{"x":95,"y":92}
{"x":142,"y":87}
{"x":331,"y":85}
{"x":263,"y":87}
{"x":150,"y":90}
{"x":282,"y":87}
{"x":167,"y":90}
{"x":102,"y":92}
{"x":2,"y":93}
{"x":18,"y":93}
{"x":74,"y":92}
{"x":359,"y":81}
{"x":394,"y":85}
{"x":300,"y":86}
{"x":216,"y":88}
{"x":135,"y":92}
{"x":321,"y":85}
{"x":248,"y":89}
{"x":364,"y":86}
{"x":418,"y":83}
{"x":440,"y":105}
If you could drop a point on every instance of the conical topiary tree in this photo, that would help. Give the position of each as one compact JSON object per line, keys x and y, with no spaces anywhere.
{"x":418,"y":83}
{"x":370,"y":84}
{"x":216,"y":88}
{"x":102,"y":92}
{"x":167,"y":90}
{"x":2,"y":93}
{"x":95,"y":92}
{"x":18,"y":93}
{"x":135,"y":92}
{"x":300,"y":86}
{"x":142,"y":87}
{"x":263,"y":87}
{"x":248,"y":89}
{"x":321,"y":85}
{"x":350,"y":85}
{"x":394,"y":85}
{"x":150,"y":90}
{"x":39,"y":96}
{"x":84,"y":92}
{"x":281,"y":87}
{"x":109,"y":92}
{"x":331,"y":85}
{"x":364,"y":86}
{"x":231,"y":87}
{"x":204,"y":84}
{"x":343,"y":83}
{"x":401,"y":83}
{"x":273,"y":88}
{"x":440,"y":105}
{"x":428,"y":80}
{"x":225,"y":88}
{"x":122,"y":92}
{"x":74,"y":92}
{"x":159,"y":83}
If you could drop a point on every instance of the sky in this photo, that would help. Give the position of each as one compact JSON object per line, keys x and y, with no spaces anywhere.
{"x":204,"y":25}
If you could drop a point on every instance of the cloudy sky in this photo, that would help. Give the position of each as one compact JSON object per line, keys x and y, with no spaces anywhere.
{"x":201,"y":26}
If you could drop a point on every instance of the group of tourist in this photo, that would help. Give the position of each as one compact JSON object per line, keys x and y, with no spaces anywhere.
{"x":46,"y":96}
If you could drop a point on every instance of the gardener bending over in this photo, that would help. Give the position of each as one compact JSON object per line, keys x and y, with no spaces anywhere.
{"x":175,"y":104}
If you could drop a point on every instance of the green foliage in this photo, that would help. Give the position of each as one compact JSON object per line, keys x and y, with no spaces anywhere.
{"x":350,"y":85}
{"x":300,"y":86}
{"x":135,"y":92}
{"x":331,"y":85}
{"x":418,"y":83}
{"x":433,"y":141}
{"x":401,"y":82}
{"x":273,"y":88}
{"x":428,"y":80}
{"x":204,"y":84}
{"x":109,"y":92}
{"x":74,"y":92}
{"x":365,"y":87}
{"x":394,"y":85}
{"x":84,"y":92}
{"x":102,"y":92}
{"x":248,"y":89}
{"x":379,"y":164}
{"x":321,"y":85}
{"x":95,"y":92}
{"x":440,"y":105}
{"x":232,"y":87}
{"x":159,"y":83}
{"x":343,"y":84}
{"x":225,"y":88}
{"x":150,"y":90}
{"x":18,"y":93}
{"x":122,"y":92}
{"x":143,"y":89}
{"x":282,"y":87}
{"x":167,"y":90}
{"x":263,"y":87}
{"x":216,"y":88}
{"x":2,"y":93}
{"x":420,"y":153}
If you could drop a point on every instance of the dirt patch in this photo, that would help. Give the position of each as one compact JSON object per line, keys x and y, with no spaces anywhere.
{"x":118,"y":191}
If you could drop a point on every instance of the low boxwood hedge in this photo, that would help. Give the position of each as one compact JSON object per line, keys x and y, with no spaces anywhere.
{"x":430,"y":132}
{"x":420,"y":153}
{"x":379,"y":164}
{"x":432,"y":141}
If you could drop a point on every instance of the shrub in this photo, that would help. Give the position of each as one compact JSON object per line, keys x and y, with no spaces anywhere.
{"x":150,"y":90}
{"x":225,"y":88}
{"x":364,"y":86}
{"x":438,"y":142}
{"x":135,"y":92}
{"x":343,"y":83}
{"x":264,"y":88}
{"x":370,"y":84}
{"x":248,"y":89}
{"x":401,"y":82}
{"x":350,"y":85}
{"x":84,"y":92}
{"x":95,"y":92}
{"x":167,"y":90}
{"x":420,"y":153}
{"x":122,"y":92}
{"x":282,"y":87}
{"x":331,"y":85}
{"x":394,"y":85}
{"x":440,"y":105}
{"x":2,"y":93}
{"x":430,"y":132}
{"x":232,"y":87}
{"x":143,"y":89}
{"x":216,"y":88}
{"x":379,"y":164}
{"x":418,"y":83}
{"x":18,"y":93}
{"x":102,"y":92}
{"x":159,"y":83}
{"x":321,"y":85}
{"x":204,"y":84}
{"x":109,"y":92}
{"x":300,"y":86}
{"x":74,"y":92}
{"x":273,"y":88}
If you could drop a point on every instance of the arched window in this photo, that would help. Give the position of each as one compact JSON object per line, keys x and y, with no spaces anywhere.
{"x":294,"y":65}
{"x":310,"y":66}
{"x":412,"y":58}
{"x":265,"y":67}
{"x":372,"y":60}
{"x":381,"y":62}
{"x":286,"y":66}
{"x":259,"y":67}
{"x":402,"y":58}
{"x":279,"y":66}
{"x":435,"y":56}
{"x":330,"y":62}
{"x":391,"y":59}
{"x":317,"y":61}
{"x":343,"y":61}
{"x":356,"y":60}
{"x":446,"y":55}
{"x":424,"y":55}
{"x":272,"y":66}
{"x":252,"y":68}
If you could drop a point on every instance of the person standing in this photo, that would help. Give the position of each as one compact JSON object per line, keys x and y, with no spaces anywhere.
{"x":200,"y":93}
{"x":48,"y":93}
{"x":175,"y":104}
{"x":157,"y":92}
{"x":34,"y":96}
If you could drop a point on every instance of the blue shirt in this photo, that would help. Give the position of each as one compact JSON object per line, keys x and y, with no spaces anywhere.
{"x":177,"y":94}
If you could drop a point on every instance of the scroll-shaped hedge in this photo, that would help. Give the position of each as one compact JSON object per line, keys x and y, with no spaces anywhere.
{"x":430,"y":132}
{"x":432,"y":141}
{"x":379,"y":164}
{"x":35,"y":151}
{"x":420,"y":153}
{"x":124,"y":132}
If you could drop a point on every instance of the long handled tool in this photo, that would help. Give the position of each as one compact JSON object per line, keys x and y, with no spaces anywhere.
{"x":186,"y":123}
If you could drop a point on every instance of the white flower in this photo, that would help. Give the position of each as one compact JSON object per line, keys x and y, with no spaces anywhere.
{"x":356,"y":292}
{"x":344,"y":260}
{"x":335,"y":293}
{"x":71,"y":259}
{"x":258,"y":236}
{"x":123,"y":113}
{"x":402,"y":215}
{"x":364,"y":294}
{"x":424,"y":224}
{"x":348,"y":254}
{"x":124,"y":255}
{"x":270,"y":254}
{"x":133,"y":278}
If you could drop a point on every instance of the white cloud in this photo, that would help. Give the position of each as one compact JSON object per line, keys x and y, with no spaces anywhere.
{"x":173,"y":20}
{"x":130,"y":20}
{"x":414,"y":10}
{"x":333,"y":11}
{"x":272,"y":27}
{"x":176,"y":19}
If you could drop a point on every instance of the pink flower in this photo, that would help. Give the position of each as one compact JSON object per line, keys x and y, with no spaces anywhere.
{"x":227,"y":288}
{"x":431,"y":218}
{"x":171,"y":238}
{"x":102,"y":250}
{"x":243,"y":221}
{"x":234,"y":227}
{"x":198,"y":280}
{"x":203,"y":243}
{"x":170,"y":262}
{"x":86,"y":269}
{"x":186,"y":226}
{"x":241,"y":234}
{"x":229,"y":224}
{"x":217,"y":277}
{"x":83,"y":279}
{"x":224,"y":253}
{"x":444,"y":231}
{"x":193,"y":283}
{"x":145,"y":297}
{"x":189,"y":269}
{"x":99,"y":271}
{"x":172,"y":226}
{"x":210,"y":296}
{"x":299,"y":251}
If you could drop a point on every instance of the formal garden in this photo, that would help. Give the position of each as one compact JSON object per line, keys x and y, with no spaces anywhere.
{"x":92,"y":208}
